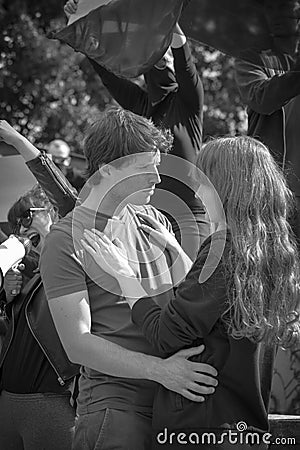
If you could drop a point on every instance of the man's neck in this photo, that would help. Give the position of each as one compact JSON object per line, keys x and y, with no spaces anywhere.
{"x":98,"y":200}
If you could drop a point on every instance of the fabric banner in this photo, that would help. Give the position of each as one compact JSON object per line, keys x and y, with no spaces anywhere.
{"x":243,"y":27}
{"x":125,"y":36}
{"x":129,"y":36}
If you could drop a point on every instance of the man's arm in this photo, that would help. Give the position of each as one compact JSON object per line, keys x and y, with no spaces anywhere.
{"x":127,"y":93}
{"x":71,"y":315}
{"x":262,"y":92}
{"x":187,"y":76}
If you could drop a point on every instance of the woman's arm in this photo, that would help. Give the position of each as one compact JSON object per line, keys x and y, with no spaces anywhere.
{"x":190,"y":315}
{"x":198,"y":303}
{"x":54,"y":183}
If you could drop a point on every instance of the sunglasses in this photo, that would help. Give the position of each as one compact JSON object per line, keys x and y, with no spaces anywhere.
{"x":26,"y":218}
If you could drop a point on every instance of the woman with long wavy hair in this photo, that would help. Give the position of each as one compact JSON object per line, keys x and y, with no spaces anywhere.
{"x":240,"y":298}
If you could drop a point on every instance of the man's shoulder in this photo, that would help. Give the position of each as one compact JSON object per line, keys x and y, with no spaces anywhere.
{"x":63,"y":226}
{"x":63,"y":232}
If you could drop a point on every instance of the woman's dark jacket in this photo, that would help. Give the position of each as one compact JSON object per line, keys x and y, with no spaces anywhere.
{"x":192,"y":318}
{"x":37,"y":313}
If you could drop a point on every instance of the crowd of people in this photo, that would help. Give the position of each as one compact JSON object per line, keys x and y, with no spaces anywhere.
{"x":146,"y":314}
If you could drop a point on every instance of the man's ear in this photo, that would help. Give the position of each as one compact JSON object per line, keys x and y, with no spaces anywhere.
{"x":67,"y":161}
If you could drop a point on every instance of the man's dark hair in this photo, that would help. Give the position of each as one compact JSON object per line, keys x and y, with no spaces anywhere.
{"x":119,"y":133}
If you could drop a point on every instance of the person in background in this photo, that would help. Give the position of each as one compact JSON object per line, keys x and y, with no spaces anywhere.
{"x":270,"y":88}
{"x":173,"y":99}
{"x":60,"y":154}
{"x":231,"y":301}
{"x":36,"y":377}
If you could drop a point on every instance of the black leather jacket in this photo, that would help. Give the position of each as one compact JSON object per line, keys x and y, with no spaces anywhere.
{"x":38,"y":316}
{"x":60,"y":192}
{"x":42,"y":328}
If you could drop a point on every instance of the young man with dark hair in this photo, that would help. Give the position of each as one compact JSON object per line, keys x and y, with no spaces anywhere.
{"x":116,"y":386}
{"x":173,"y":99}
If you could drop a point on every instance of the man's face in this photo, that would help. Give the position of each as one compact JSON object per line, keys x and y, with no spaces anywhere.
{"x":134,"y":181}
{"x":59,"y":153}
{"x":38,"y":229}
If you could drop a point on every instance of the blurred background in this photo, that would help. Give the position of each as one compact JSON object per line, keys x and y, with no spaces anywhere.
{"x":48,"y":91}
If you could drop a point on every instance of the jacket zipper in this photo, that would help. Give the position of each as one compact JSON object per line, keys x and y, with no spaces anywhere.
{"x":59,"y":378}
{"x":59,"y":181}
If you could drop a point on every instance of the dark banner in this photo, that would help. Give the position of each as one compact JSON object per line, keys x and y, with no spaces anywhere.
{"x":129,"y":36}
{"x":125,"y":36}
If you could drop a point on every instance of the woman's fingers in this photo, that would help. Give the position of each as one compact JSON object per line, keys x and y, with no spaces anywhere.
{"x":149,"y":219}
{"x":95,"y":242}
{"x":88,"y":247}
{"x":102,"y":237}
{"x":148,"y":229}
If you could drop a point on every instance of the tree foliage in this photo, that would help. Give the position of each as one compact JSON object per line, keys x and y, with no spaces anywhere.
{"x":48,"y":91}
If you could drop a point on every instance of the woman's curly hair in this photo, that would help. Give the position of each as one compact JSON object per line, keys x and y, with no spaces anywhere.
{"x":262,"y":270}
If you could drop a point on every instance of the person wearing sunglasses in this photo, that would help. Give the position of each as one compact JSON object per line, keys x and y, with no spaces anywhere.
{"x":26,"y":218}
{"x":21,"y":223}
{"x":36,"y":376}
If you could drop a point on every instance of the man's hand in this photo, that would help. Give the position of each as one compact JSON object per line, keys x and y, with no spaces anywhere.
{"x":13,"y":281}
{"x":183,"y":376}
{"x":8,"y":134}
{"x":179,"y":38}
{"x":70,"y":7}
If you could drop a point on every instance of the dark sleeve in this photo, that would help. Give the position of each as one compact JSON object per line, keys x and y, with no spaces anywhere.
{"x":190,"y":315}
{"x":128,"y":94}
{"x":262,"y":93}
{"x":60,"y":192}
{"x":188,"y":79}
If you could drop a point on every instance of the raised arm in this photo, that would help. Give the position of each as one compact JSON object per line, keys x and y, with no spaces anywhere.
{"x":187,"y":76}
{"x":264,"y":90}
{"x":51,"y":179}
{"x":127,"y":93}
